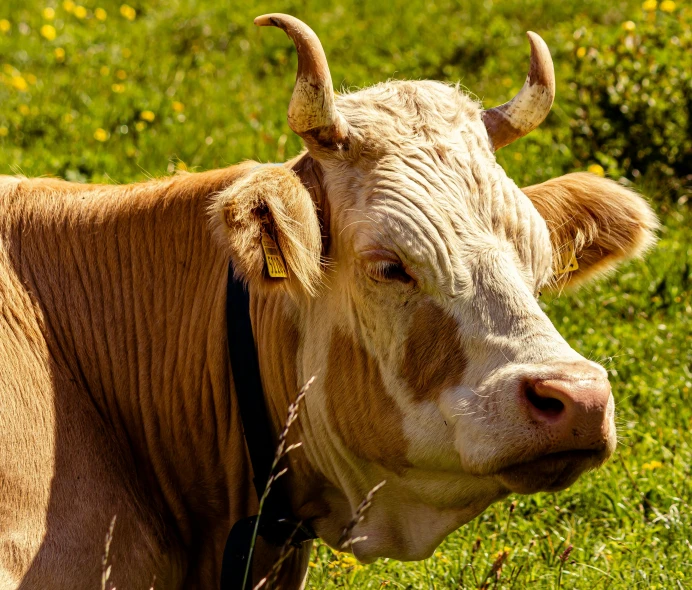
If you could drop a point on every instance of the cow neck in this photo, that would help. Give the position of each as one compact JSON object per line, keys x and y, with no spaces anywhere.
{"x":276,"y":522}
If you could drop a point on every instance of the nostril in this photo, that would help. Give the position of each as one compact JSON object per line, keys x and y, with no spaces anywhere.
{"x":548,"y":406}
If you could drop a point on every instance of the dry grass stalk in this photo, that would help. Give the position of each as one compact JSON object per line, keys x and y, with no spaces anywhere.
{"x":346,"y":541}
{"x":286,"y":550}
{"x":105,"y":568}
{"x":282,"y":449}
{"x":495,"y":571}
{"x":563,"y":559}
{"x":349,"y":541}
{"x":474,"y":550}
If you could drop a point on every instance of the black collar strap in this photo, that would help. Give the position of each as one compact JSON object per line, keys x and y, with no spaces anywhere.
{"x":277,"y":524}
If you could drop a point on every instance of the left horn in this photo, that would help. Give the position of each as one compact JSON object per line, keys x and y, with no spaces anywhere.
{"x":531,"y":105}
{"x":312,"y":113}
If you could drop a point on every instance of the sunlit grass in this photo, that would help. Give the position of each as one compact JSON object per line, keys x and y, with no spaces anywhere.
{"x":115,"y":92}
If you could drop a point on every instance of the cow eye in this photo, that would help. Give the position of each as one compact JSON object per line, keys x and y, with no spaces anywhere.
{"x":386,"y":271}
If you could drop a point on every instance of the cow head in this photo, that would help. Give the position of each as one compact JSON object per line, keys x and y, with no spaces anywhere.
{"x":417,"y":307}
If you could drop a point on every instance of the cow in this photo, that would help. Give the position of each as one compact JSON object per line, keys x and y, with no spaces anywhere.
{"x":414,"y":267}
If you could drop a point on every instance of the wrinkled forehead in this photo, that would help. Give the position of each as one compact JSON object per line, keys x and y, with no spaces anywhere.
{"x":394,"y":114}
{"x":425,"y":183}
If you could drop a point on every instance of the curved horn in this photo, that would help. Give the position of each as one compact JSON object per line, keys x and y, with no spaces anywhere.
{"x":531,"y":105}
{"x":312,"y":113}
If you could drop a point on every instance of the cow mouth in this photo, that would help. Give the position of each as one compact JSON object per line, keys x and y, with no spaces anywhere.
{"x":551,"y":472}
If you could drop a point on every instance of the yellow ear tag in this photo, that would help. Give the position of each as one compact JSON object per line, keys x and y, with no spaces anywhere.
{"x":572,"y":265}
{"x":276,"y":267}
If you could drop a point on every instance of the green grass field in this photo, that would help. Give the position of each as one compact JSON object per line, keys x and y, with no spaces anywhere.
{"x":108,"y":92}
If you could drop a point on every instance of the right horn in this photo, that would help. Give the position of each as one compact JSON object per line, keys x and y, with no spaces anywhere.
{"x":531,"y":105}
{"x":312,"y":113}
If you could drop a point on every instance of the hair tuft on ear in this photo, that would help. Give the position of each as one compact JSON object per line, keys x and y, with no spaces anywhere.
{"x":599,"y":221}
{"x":277,"y":194}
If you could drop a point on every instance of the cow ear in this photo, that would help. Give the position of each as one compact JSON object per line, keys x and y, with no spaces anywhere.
{"x":594,"y":225}
{"x":270,"y":202}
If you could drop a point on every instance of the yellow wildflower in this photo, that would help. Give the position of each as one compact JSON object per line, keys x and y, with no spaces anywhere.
{"x":48,"y":13}
{"x":68,"y":5}
{"x":118,"y":88}
{"x":629,"y":25}
{"x":668,"y":6}
{"x":313,"y":564}
{"x":650,"y":5}
{"x":59,"y":54}
{"x":105,"y":70}
{"x":651,"y":465}
{"x":48,"y":31}
{"x":100,"y":135}
{"x":80,"y":12}
{"x":4,"y":131}
{"x":140,"y":125}
{"x":128,"y":12}
{"x":5,"y":25}
{"x":581,"y":52}
{"x":180,"y":165}
{"x":24,"y":109}
{"x":596,"y":169}
{"x":126,"y":52}
{"x":31,"y":79}
{"x":147,"y":116}
{"x":67,"y":118}
{"x":178,"y":107}
{"x":100,"y":14}
{"x":121,"y":74}
{"x":20,"y":84}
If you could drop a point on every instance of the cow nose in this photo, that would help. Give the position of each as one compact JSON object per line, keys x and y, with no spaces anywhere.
{"x":573,"y":405}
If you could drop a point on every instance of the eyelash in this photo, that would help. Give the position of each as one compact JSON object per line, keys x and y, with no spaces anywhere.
{"x":386,"y":271}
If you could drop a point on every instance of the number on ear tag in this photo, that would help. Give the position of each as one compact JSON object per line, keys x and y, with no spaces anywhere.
{"x":276,"y":267}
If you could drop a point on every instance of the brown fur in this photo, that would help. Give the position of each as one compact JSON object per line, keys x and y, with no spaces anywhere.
{"x":360,"y":410}
{"x":281,"y":340}
{"x":310,"y":174}
{"x":115,"y":386}
{"x":434,"y":359}
{"x":603,"y":221}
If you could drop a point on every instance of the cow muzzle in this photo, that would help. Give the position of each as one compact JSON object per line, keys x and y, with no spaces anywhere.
{"x":569,"y":411}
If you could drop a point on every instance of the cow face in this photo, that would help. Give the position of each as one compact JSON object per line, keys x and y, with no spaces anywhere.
{"x":438,"y":370}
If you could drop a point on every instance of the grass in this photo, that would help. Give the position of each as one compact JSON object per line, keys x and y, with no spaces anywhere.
{"x":131,"y":91}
